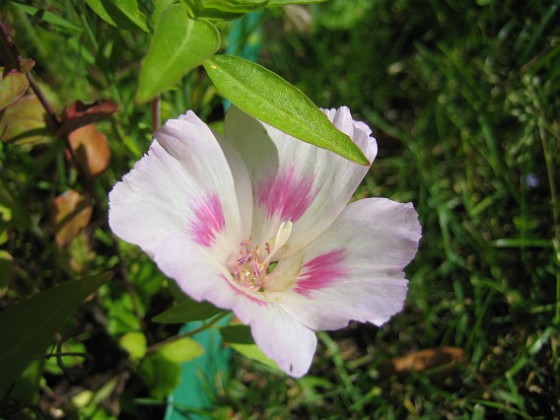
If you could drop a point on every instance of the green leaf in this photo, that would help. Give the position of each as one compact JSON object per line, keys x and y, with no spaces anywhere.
{"x":24,"y":119}
{"x":27,"y":328}
{"x":51,"y":364}
{"x":159,"y":374}
{"x":266,"y":96}
{"x":123,"y":14}
{"x":280,"y":3}
{"x":238,"y":334}
{"x":179,"y":45}
{"x":46,"y":16}
{"x":135,"y":343}
{"x":186,"y":312}
{"x":240,"y":339}
{"x":228,"y":9}
{"x":161,"y":370}
{"x":160,"y":7}
{"x":12,"y":87}
{"x":181,"y":350}
{"x":253,"y":352}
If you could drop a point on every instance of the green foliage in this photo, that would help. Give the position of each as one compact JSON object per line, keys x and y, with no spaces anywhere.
{"x":222,"y":9}
{"x":239,"y":339}
{"x":12,"y":87}
{"x":122,"y":14}
{"x":28,"y":327}
{"x":161,"y":370}
{"x":265,"y":95}
{"x":280,"y":3}
{"x":464,"y":100}
{"x":179,"y":45}
{"x":186,"y":311}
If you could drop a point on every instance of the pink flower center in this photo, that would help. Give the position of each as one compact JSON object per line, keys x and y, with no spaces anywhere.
{"x":251,"y":270}
{"x":253,"y":266}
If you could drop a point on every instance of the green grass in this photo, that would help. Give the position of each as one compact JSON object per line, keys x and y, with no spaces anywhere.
{"x":463,"y":97}
{"x":465,"y":102}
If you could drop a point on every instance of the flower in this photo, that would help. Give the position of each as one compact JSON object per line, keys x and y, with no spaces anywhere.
{"x":258,"y":222}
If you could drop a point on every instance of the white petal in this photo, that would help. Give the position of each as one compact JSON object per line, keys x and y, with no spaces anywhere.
{"x":354,"y":270}
{"x":183,"y":183}
{"x":195,"y":270}
{"x":279,"y":335}
{"x":296,"y":181}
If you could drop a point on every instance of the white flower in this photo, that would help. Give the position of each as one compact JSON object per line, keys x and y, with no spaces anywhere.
{"x":258,"y":222}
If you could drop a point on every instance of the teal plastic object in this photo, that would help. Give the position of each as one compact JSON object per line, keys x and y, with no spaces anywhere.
{"x":193,"y":399}
{"x":245,"y":39}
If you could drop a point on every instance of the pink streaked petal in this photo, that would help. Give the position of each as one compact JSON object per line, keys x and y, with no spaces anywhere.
{"x":379,"y":238}
{"x":208,"y":219}
{"x":155,"y":199}
{"x":321,"y":272}
{"x":194,"y":269}
{"x":319,"y":182}
{"x":279,"y":335}
{"x":287,"y":194}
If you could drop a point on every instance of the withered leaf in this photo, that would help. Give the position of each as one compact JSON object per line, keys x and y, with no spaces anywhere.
{"x":91,"y":149}
{"x":71,"y":213}
{"x":24,"y":120}
{"x":441,"y":360}
{"x":80,"y":114}
{"x":12,"y":87}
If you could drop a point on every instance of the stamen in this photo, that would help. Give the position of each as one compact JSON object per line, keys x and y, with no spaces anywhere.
{"x":250,"y":271}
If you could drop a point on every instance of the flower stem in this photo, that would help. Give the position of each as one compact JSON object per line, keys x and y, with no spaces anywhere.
{"x":203,"y":327}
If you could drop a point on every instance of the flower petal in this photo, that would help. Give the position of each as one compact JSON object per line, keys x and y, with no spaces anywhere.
{"x":279,"y":335}
{"x":195,"y":270}
{"x":354,"y":270}
{"x":296,"y":181}
{"x":183,"y":183}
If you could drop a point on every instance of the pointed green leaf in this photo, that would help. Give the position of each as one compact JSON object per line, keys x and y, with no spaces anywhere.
{"x":27,"y":328}
{"x":123,"y":14}
{"x":186,"y":312}
{"x":266,"y":96}
{"x":179,"y":45}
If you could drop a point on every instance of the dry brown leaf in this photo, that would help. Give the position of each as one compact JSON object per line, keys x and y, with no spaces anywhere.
{"x":91,"y":148}
{"x":71,"y":213}
{"x":442,"y":360}
{"x":80,"y":114}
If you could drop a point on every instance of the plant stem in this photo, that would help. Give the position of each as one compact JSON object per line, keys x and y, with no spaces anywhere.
{"x":209,"y":324}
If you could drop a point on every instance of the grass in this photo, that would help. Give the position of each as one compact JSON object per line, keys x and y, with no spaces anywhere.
{"x":464,"y":100}
{"x":465,"y":104}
